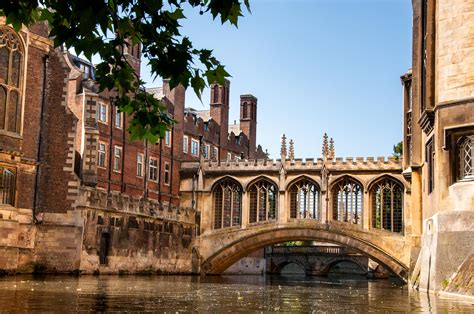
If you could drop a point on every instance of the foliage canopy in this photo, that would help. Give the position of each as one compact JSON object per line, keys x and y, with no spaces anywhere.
{"x":97,"y":28}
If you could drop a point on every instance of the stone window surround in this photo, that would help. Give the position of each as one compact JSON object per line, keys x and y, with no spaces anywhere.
{"x":453,"y":137}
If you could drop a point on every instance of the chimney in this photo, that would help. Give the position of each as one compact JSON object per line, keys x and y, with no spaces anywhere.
{"x":248,"y":121}
{"x":220,"y":113}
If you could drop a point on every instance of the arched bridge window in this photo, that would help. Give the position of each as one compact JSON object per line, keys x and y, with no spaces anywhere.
{"x":304,"y":200}
{"x":11,"y":65}
{"x":347,"y":201}
{"x":227,"y":204}
{"x":387,"y":205}
{"x":263,"y":201}
{"x":7,"y":186}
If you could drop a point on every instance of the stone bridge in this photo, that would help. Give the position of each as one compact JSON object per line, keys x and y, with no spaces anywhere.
{"x":243,"y":206}
{"x":314,"y":260}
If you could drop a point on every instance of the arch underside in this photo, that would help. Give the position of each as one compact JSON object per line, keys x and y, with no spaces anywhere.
{"x":223,"y":258}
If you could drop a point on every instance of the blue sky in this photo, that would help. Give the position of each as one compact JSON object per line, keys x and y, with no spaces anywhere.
{"x":315,"y":66}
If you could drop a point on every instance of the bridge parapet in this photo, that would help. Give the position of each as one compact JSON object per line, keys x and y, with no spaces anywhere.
{"x":348,"y":163}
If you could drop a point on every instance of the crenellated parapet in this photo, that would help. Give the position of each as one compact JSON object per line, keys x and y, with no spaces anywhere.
{"x":337,"y":164}
{"x":94,"y":198}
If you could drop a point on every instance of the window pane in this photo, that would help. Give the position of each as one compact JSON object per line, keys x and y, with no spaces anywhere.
{"x":3,"y":104}
{"x":14,"y":113}
{"x":16,"y":69}
{"x":4,"y":65}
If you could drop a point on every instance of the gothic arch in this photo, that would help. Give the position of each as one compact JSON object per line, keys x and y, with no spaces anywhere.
{"x":304,"y":198}
{"x":387,"y":204}
{"x":386,"y":175}
{"x":227,"y":177}
{"x":300,"y":178}
{"x":256,"y":179}
{"x":226,"y":203}
{"x":338,"y":178}
{"x":12,"y":72}
{"x":262,"y":199}
{"x":347,"y":203}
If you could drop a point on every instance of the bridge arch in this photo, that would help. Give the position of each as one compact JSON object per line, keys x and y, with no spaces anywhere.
{"x":328,"y":266}
{"x":232,"y":251}
{"x":278,"y":268}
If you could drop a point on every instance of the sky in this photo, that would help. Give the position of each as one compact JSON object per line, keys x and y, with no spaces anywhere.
{"x":315,"y":66}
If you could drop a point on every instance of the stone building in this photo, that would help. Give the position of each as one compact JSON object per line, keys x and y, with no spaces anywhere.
{"x":77,"y":195}
{"x":439,"y":139}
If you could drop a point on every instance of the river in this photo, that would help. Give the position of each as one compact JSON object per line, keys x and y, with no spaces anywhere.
{"x":172,"y":294}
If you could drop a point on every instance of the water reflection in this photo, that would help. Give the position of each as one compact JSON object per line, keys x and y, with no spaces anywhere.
{"x":214,"y":294}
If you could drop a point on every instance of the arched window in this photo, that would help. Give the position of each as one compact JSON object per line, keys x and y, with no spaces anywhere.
{"x":7,"y":186}
{"x":11,"y":65}
{"x":263,"y":201}
{"x":466,"y":157}
{"x":227,"y":204}
{"x":387,"y":205}
{"x":304,"y":200}
{"x":347,"y":201}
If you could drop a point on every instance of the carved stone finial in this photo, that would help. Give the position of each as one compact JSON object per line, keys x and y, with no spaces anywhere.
{"x":331,"y":149}
{"x":325,"y":146}
{"x":291,"y":153}
{"x":283,"y":147}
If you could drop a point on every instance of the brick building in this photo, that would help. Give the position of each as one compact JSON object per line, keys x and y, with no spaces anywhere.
{"x":75,"y":192}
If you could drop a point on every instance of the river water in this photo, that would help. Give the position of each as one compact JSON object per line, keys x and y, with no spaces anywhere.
{"x":172,"y":294}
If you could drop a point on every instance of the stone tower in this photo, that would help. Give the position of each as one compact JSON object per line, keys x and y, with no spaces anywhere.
{"x":248,"y":121}
{"x":220,"y":112}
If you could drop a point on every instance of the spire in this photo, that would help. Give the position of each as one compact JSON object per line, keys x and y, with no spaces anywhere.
{"x":331,"y":149}
{"x":291,"y":153}
{"x":283,"y":148}
{"x":325,"y":146}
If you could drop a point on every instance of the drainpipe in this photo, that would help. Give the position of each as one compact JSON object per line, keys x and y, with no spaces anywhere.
{"x":145,"y":172}
{"x":171,"y":166}
{"x":40,"y":139}
{"x":110,"y":146}
{"x":159,"y":172}
{"x":123,"y":153}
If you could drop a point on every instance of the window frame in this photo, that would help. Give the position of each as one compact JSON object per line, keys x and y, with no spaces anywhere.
{"x":118,"y":114}
{"x":153,"y":169}
{"x":168,"y":138}
{"x":117,"y":162}
{"x":14,"y":45}
{"x":101,"y":105}
{"x":185,"y":144}
{"x":193,"y":141}
{"x":166,"y":173}
{"x":104,"y":152}
{"x":141,"y":173}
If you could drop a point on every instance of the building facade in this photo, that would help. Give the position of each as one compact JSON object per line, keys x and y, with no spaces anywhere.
{"x":76,"y":194}
{"x":438,"y":140}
